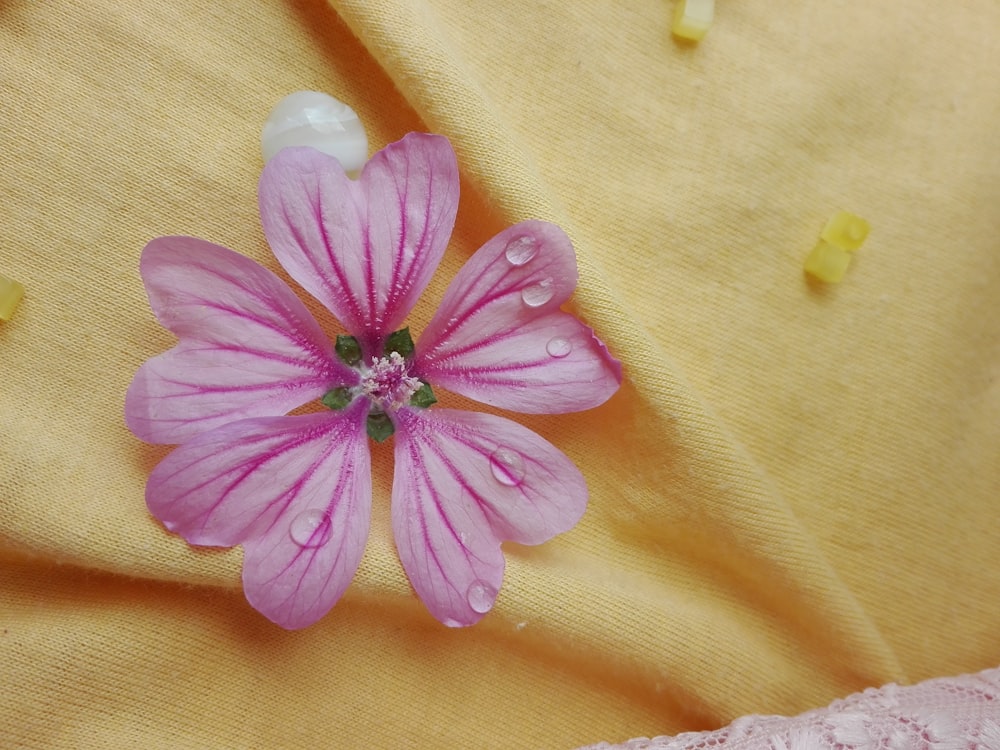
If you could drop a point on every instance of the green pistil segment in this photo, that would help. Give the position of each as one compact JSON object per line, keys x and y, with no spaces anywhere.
{"x":400,"y":342}
{"x":337,"y":399}
{"x":423,"y":397}
{"x":348,"y":349}
{"x":379,"y":426}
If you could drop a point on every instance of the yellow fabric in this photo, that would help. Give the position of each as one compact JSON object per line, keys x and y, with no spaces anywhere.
{"x":793,"y":496}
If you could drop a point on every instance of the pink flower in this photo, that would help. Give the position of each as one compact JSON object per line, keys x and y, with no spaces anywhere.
{"x":295,"y":491}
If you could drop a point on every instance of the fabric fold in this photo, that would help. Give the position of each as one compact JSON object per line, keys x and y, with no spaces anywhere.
{"x":813,"y":598}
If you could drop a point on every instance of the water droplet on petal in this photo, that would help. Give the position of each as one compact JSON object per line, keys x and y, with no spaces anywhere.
{"x":538,"y":294}
{"x":481,"y":596}
{"x":558,"y":347}
{"x":507,"y":466}
{"x":521,"y":249}
{"x":310,"y":528}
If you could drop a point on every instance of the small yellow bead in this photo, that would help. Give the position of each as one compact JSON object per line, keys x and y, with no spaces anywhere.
{"x":827,"y":262}
{"x":692,"y":18}
{"x":846,"y":231}
{"x":10,"y":294}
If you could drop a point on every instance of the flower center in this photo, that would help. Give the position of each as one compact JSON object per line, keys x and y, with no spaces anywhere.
{"x":388,"y":384}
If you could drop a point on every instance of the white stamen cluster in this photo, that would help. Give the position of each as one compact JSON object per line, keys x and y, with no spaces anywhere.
{"x":387,"y":382}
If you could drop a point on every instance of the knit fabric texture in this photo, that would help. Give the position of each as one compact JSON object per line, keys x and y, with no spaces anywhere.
{"x":793,"y":496}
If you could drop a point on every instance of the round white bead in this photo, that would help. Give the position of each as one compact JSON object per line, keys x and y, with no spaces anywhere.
{"x":309,"y":118}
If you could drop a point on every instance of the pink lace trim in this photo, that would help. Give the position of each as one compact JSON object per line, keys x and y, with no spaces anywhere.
{"x":949,"y":713}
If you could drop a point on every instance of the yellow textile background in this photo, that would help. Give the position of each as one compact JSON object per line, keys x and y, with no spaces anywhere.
{"x":793,"y":496}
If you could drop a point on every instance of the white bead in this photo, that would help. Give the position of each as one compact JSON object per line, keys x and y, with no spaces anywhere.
{"x":309,"y":118}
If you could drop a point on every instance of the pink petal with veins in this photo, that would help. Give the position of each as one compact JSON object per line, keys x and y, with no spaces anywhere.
{"x":295,"y":491}
{"x":367,"y":248}
{"x":464,"y":482}
{"x":500,"y":338}
{"x":248,"y":346}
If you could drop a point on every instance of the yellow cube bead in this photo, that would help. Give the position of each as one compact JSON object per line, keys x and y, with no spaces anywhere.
{"x":10,"y":294}
{"x":828,"y":262}
{"x":846,"y":231}
{"x":692,"y":18}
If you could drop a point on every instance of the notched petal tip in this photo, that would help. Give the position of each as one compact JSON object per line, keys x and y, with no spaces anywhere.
{"x":294,"y":491}
{"x":463,"y":483}
{"x":247,"y":345}
{"x":500,"y":338}
{"x":431,"y":150}
{"x":367,"y":248}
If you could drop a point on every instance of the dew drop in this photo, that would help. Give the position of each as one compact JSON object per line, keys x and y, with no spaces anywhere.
{"x":538,"y":294}
{"x":507,"y":466}
{"x":310,"y":528}
{"x":481,"y":596}
{"x":521,"y":249}
{"x":558,"y":347}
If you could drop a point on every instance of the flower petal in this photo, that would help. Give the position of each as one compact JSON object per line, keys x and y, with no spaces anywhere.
{"x":367,"y":248}
{"x":463,"y":483}
{"x":248,"y":346}
{"x":500,"y":338}
{"x":295,"y":491}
